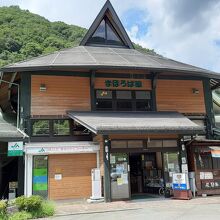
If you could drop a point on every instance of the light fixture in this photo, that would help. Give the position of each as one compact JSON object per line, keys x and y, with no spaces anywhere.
{"x":43,"y":88}
{"x":195,"y":91}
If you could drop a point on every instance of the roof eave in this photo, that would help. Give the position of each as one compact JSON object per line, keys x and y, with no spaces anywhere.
{"x":107,"y":67}
{"x":157,"y":131}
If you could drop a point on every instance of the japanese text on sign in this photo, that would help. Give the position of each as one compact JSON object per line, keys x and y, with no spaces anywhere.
{"x":123,"y":83}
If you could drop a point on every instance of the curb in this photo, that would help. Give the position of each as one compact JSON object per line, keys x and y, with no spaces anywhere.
{"x":95,"y":212}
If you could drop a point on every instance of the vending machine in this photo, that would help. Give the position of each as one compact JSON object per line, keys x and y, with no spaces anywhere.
{"x":96,"y":184}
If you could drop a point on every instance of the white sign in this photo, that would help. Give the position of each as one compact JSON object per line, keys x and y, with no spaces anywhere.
{"x":58,"y":176}
{"x":60,"y":150}
{"x":208,"y":175}
{"x":15,"y":148}
{"x":180,"y":181}
{"x":184,"y":168}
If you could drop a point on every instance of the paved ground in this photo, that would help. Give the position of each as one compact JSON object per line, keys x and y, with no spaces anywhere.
{"x":156,"y":209}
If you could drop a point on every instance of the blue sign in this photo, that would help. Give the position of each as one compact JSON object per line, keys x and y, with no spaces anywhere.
{"x":181,"y":186}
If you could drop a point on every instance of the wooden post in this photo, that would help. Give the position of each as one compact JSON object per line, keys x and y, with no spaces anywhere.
{"x":209,"y":108}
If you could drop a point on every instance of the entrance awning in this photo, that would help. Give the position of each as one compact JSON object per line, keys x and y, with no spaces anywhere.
{"x":136,"y":123}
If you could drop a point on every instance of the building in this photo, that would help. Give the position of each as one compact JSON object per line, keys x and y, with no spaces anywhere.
{"x":104,"y":104}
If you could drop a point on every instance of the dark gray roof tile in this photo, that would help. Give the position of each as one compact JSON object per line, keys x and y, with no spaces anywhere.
{"x":104,"y":57}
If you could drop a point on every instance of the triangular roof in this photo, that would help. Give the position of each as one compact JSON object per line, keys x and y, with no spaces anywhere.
{"x":110,"y":13}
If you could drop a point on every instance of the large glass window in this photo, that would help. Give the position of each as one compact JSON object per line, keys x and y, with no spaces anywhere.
{"x":171,"y":165}
{"x":124,"y":106}
{"x":99,"y":35}
{"x":40,"y":128}
{"x":61,"y":127}
{"x":123,"y":100}
{"x":142,"y":95}
{"x":103,"y":105}
{"x":103,"y":94}
{"x":105,"y":34}
{"x":40,"y":176}
{"x":123,"y":95}
{"x":205,"y":159}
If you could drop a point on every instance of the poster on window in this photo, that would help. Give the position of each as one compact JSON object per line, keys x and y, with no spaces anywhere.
{"x":40,"y":176}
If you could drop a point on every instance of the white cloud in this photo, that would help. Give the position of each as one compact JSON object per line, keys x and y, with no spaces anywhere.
{"x":184,"y":30}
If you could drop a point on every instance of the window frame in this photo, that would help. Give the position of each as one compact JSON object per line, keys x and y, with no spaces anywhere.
{"x":114,"y":100}
{"x":41,"y":135}
{"x":59,"y":135}
{"x":106,"y":43}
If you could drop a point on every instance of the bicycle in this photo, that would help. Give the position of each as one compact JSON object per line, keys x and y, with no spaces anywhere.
{"x":165,"y":191}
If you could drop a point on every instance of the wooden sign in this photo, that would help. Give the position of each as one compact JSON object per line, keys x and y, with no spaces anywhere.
{"x":211,"y":184}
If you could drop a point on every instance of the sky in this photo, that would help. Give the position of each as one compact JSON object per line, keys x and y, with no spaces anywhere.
{"x":183,"y":30}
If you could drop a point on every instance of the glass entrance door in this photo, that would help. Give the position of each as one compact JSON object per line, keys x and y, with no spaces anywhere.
{"x":119,"y":176}
{"x":171,"y":165}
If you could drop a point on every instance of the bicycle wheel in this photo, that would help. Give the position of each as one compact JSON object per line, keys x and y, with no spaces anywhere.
{"x":161,"y":191}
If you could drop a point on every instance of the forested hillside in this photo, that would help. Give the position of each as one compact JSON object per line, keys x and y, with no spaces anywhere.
{"x":24,"y":35}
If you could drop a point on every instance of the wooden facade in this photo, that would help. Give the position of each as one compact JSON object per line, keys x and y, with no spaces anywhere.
{"x":76,"y":176}
{"x":62,"y":93}
{"x":177,"y":95}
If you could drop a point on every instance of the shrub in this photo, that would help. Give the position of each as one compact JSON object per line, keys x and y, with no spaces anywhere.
{"x":23,"y":215}
{"x":3,"y":209}
{"x":46,"y":209}
{"x":35,"y":205}
{"x":29,"y":204}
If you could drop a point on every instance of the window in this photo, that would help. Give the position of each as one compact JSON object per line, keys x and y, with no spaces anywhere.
{"x":103,"y":94}
{"x":78,"y":129}
{"x":142,"y":95}
{"x":135,"y":144}
{"x":205,"y":160}
{"x":40,"y":128}
{"x":105,"y":34}
{"x":99,"y":35}
{"x":118,"y":144}
{"x":143,"y":106}
{"x":61,"y":127}
{"x":124,"y":106}
{"x":103,"y":105}
{"x":40,"y":176}
{"x":123,"y":100}
{"x":123,"y":94}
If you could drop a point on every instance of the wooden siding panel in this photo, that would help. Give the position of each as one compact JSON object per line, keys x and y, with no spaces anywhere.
{"x":177,"y":95}
{"x":100,"y":84}
{"x":76,"y":176}
{"x":63,"y":93}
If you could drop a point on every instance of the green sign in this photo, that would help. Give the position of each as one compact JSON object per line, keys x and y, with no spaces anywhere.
{"x":15,"y":149}
{"x":123,"y":83}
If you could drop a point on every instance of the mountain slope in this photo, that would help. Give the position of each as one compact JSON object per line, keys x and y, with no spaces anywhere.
{"x":24,"y":35}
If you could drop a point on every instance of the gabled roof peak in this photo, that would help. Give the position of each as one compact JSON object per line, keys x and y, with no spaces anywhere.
{"x":107,"y":30}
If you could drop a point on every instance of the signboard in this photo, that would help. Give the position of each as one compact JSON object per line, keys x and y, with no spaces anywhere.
{"x":59,"y":150}
{"x":123,"y":83}
{"x":206,"y":175}
{"x":210,"y":184}
{"x":58,"y":176}
{"x":15,"y":149}
{"x":180,"y":181}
